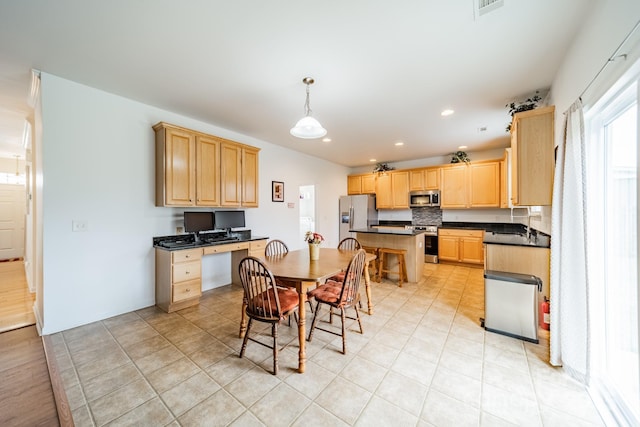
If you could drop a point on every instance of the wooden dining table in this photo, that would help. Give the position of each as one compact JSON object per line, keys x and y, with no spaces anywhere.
{"x":296,"y":266}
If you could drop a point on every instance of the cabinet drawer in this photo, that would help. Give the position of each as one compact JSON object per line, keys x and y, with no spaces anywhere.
{"x":186,"y":255}
{"x":186,"y":271}
{"x":461,"y":233}
{"x":218,"y":249}
{"x":257,"y":245}
{"x":186,"y":290}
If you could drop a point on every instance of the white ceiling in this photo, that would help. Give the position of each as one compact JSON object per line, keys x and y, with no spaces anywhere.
{"x":384,"y":70}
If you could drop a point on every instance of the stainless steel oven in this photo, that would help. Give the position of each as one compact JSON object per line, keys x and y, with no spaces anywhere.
{"x":430,"y":241}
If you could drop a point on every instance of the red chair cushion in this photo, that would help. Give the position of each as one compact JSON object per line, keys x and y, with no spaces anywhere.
{"x":288,"y":301}
{"x":338,"y":277}
{"x":328,"y":292}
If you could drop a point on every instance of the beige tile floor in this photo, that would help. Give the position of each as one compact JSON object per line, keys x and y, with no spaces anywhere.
{"x":423,"y":360}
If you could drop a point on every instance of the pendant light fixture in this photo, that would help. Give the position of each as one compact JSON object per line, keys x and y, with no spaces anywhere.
{"x":308,"y":127}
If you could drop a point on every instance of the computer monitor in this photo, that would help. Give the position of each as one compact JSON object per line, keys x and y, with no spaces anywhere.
{"x":195,"y":222}
{"x":226,"y":220}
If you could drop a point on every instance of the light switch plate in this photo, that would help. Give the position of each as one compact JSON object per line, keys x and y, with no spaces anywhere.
{"x":79,"y":225}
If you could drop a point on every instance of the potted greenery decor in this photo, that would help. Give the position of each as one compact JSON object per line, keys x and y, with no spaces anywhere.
{"x":460,"y":157}
{"x":382,"y":167}
{"x":526,"y":105}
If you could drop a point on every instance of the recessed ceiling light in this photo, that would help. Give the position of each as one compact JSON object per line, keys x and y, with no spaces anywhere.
{"x":462,"y":147}
{"x":326,"y":139}
{"x":399,"y":143}
{"x":372,"y":160}
{"x":447,"y":112}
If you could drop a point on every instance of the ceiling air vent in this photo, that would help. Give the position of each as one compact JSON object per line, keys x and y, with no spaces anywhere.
{"x":483,"y":7}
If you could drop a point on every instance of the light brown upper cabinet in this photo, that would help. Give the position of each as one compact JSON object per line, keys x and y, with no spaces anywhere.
{"x":250,"y":177}
{"x":484,"y":184}
{"x":207,"y":171}
{"x":361,"y":184}
{"x":453,"y":187}
{"x":238,"y":175}
{"x":472,"y":185}
{"x":532,"y":157}
{"x":392,"y":190}
{"x":196,"y":169}
{"x":175,"y":166}
{"x":424,"y":179}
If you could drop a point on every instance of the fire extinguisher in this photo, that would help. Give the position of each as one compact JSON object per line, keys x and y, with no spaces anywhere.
{"x":545,"y":308}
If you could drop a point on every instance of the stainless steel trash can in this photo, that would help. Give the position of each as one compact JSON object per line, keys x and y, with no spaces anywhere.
{"x":511,"y":304}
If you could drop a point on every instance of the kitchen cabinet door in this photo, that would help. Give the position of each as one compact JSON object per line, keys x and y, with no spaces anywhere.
{"x":361,"y":184}
{"x":448,"y":248}
{"x":207,"y":171}
{"x":461,"y":245}
{"x":175,"y":167}
{"x":384,"y":199}
{"x":230,"y":174}
{"x":472,"y":250}
{"x":453,"y":180}
{"x":484,"y":185}
{"x":532,"y":157}
{"x":354,"y":184}
{"x":249,"y":177}
{"x":432,"y":179}
{"x":416,"y":180}
{"x":368,"y":185}
{"x":400,"y":190}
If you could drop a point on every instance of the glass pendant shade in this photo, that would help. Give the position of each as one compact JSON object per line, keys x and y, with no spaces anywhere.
{"x":308,"y":128}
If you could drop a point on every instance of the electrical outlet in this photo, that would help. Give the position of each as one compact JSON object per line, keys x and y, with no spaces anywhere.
{"x":179,"y":230}
{"x":79,"y":225}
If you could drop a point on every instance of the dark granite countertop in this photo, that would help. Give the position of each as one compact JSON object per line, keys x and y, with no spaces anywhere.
{"x":383,"y":230}
{"x":187,"y":241}
{"x":505,"y":233}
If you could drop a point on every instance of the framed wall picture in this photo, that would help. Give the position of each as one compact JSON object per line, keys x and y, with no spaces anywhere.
{"x":277,"y":191}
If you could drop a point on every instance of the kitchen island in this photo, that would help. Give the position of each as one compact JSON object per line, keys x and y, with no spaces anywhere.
{"x":397,"y":238}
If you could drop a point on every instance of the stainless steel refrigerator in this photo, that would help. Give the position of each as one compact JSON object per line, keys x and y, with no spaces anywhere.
{"x":357,"y":212}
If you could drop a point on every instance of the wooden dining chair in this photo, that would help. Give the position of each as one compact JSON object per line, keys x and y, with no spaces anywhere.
{"x":265,"y":302}
{"x":276,"y":247}
{"x":340,"y":296}
{"x":346,"y":244}
{"x":349,"y":244}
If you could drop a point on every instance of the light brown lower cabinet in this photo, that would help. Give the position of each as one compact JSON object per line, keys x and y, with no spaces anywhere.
{"x":179,"y":272}
{"x":178,"y":278}
{"x":464,"y":246}
{"x":521,"y":259}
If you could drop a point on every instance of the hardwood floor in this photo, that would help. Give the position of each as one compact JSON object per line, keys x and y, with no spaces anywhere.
{"x":26,"y":395}
{"x":31,"y":392}
{"x":16,"y":302}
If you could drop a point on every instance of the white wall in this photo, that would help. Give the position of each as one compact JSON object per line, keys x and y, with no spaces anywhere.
{"x":604,"y":30}
{"x":98,"y":166}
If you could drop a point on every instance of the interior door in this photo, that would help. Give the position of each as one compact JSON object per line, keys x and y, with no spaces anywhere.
{"x":12,"y":211}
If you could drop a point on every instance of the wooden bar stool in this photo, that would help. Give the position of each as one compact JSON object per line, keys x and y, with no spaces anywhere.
{"x":402,"y":266}
{"x":373,"y":250}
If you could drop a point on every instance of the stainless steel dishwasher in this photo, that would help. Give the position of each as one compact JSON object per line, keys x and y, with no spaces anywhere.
{"x":511,"y":304}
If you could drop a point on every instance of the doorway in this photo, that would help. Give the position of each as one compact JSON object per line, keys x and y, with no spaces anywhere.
{"x":307,"y":209}
{"x":16,"y":304}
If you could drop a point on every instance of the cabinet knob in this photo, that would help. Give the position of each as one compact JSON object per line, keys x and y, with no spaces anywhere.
{"x":187,"y":272}
{"x":188,"y":290}
{"x":187,"y":256}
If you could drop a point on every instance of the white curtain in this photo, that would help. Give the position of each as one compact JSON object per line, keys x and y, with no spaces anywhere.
{"x":569,"y":287}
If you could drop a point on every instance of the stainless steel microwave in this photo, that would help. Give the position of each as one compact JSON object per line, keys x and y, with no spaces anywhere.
{"x":420,"y":199}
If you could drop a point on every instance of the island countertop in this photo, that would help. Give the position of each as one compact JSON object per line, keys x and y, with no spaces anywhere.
{"x":397,"y":231}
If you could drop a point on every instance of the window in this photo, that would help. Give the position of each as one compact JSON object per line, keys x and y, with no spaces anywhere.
{"x":613,"y":251}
